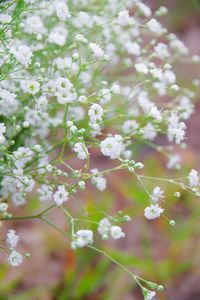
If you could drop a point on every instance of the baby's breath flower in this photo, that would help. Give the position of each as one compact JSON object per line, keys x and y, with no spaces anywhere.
{"x":112,"y":146}
{"x":153,"y":211}
{"x":12,"y":239}
{"x":15,"y":258}
{"x":61,"y":195}
{"x":82,"y":238}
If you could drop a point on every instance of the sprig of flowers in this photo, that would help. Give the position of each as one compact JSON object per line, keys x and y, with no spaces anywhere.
{"x":77,"y":78}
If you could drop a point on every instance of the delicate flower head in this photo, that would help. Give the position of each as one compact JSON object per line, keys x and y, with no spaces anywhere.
{"x":193,"y":178}
{"x":116,"y":232}
{"x":157,"y":194}
{"x":95,"y":113}
{"x":62,"y":11}
{"x":15,"y":258}
{"x":82,"y":238}
{"x":61,"y":195}
{"x":112,"y":146}
{"x":12,"y":239}
{"x":23,"y":55}
{"x":153,"y":211}
{"x":81,"y":150}
{"x":96,"y":50}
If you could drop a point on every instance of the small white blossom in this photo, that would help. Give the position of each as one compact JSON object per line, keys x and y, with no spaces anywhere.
{"x":96,"y":50}
{"x":157,"y":194}
{"x":155,"y":27}
{"x":98,"y":180}
{"x":61,"y":195}
{"x":62,"y":11}
{"x":116,"y":232}
{"x":95,"y":113}
{"x":5,"y":18}
{"x":23,"y":55}
{"x":143,"y":9}
{"x":82,"y":238}
{"x":104,"y":228}
{"x":81,"y":150}
{"x":153,"y":211}
{"x":15,"y":258}
{"x":123,"y":18}
{"x":12,"y":239}
{"x":112,"y":146}
{"x":45,"y":193}
{"x":141,"y":68}
{"x":193,"y":178}
{"x":65,"y":91}
{"x":33,"y":87}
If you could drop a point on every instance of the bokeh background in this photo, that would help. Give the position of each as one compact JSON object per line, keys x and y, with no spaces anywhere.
{"x":154,"y":250}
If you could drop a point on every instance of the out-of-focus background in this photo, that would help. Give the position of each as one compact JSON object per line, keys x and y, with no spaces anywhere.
{"x":153,"y":250}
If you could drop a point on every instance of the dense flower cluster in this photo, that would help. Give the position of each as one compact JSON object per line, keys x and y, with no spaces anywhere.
{"x":63,"y":93}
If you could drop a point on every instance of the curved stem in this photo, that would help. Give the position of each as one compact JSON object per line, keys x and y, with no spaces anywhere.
{"x":38,"y":216}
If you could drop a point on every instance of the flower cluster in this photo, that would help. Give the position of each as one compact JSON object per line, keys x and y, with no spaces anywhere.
{"x":64,"y":97}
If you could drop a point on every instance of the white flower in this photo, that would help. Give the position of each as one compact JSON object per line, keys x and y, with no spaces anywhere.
{"x":62,"y":11}
{"x":5,"y":18}
{"x":34,"y":24}
{"x":105,"y":96}
{"x":155,"y":113}
{"x":133,"y":48}
{"x":161,"y":51}
{"x":153,"y":211}
{"x":155,"y":27}
{"x":112,"y":146}
{"x":12,"y":239}
{"x":58,"y":36}
{"x":32,"y":87}
{"x":149,"y":131}
{"x":41,"y":104}
{"x":98,"y":180}
{"x":157,"y":194}
{"x":45,"y":192}
{"x":169,"y":77}
{"x":176,"y":129}
{"x":116,"y":232}
{"x":193,"y":178}
{"x":188,"y":107}
{"x":145,"y":10}
{"x":141,"y":68}
{"x":123,"y":18}
{"x":96,"y":50}
{"x":115,"y":89}
{"x":81,"y":150}
{"x":82,"y":238}
{"x":65,"y":91}
{"x":23,"y":55}
{"x":15,"y":258}
{"x":61,"y":195}
{"x":95,"y":113}
{"x":104,"y":228}
{"x":178,"y":46}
